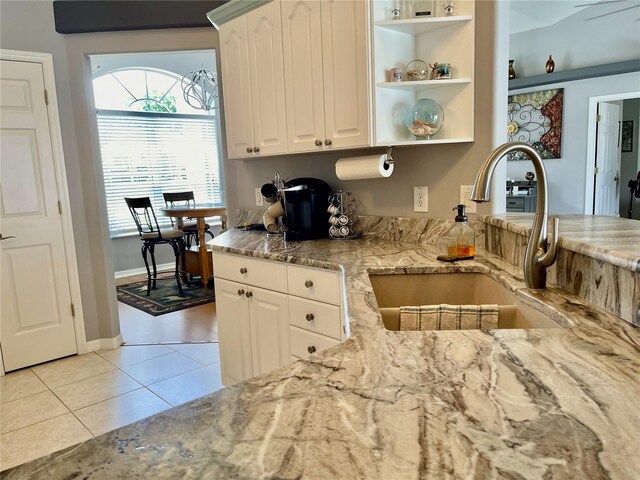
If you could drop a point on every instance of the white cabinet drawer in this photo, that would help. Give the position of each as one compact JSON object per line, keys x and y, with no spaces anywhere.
{"x":315,"y":316}
{"x":315,"y":284}
{"x":304,"y":343}
{"x":251,"y":271}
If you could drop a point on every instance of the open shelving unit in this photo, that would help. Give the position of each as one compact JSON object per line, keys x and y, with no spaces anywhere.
{"x":438,"y":39}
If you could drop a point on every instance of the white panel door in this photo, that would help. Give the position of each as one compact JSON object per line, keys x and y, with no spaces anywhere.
{"x":236,"y":86}
{"x":608,"y":157}
{"x":234,"y":335}
{"x":37,"y":322}
{"x":302,"y":48}
{"x":346,"y":73}
{"x":269,"y":329}
{"x":267,"y":79}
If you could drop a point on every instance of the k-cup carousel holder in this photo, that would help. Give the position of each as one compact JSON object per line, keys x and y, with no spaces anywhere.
{"x":343,"y":222}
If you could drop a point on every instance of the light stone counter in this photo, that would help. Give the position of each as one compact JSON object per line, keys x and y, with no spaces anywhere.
{"x":559,"y":403}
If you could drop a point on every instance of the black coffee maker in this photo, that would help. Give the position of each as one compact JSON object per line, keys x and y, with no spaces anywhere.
{"x":305,"y":204}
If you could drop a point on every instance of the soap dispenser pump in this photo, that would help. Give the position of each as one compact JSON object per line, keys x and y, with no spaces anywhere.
{"x":459,"y":242}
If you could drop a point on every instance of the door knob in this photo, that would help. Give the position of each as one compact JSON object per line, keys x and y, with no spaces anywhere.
{"x":318,"y":142}
{"x":311,"y":349}
{"x":6,"y":238}
{"x":240,"y":292}
{"x":308,"y":284}
{"x":249,"y":294}
{"x":309,"y":317}
{"x":327,"y":141}
{"x":256,"y":149}
{"x":249,"y":149}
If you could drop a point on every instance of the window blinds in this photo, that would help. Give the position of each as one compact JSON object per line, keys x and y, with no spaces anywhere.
{"x":144,"y":155}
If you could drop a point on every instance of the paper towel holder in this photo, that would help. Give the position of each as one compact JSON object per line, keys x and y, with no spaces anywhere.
{"x":389,"y":160}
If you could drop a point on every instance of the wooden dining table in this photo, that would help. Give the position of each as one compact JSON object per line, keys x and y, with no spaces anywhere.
{"x":199,"y":211}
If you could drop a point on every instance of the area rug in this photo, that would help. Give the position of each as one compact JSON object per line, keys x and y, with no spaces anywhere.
{"x":164,"y":298}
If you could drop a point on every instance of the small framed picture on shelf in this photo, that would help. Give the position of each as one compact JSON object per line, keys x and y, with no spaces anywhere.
{"x":627,"y":136}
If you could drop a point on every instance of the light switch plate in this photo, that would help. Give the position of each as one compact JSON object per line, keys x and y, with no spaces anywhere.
{"x":465,"y":194}
{"x":259,"y":199}
{"x":421,"y":199}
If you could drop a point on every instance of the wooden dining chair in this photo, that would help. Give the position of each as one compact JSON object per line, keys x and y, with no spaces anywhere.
{"x":151,"y":235}
{"x":189,"y":228}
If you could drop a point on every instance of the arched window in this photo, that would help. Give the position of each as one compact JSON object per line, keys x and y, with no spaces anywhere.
{"x":142,"y":90}
{"x":152,"y":141}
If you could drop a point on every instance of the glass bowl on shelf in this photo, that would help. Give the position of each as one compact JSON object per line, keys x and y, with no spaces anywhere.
{"x":424,"y":118}
{"x":416,"y":70}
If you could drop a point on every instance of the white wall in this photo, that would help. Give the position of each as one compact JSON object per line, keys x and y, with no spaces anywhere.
{"x":576,"y":42}
{"x":630,"y":160}
{"x":567,"y":175}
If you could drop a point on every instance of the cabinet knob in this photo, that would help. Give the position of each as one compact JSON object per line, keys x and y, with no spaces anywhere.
{"x":308,"y":284}
{"x":243,"y":270}
{"x":240,"y":292}
{"x":318,"y":142}
{"x":256,"y":149}
{"x":249,"y":294}
{"x":309,"y":317}
{"x":327,"y":141}
{"x":311,"y":349}
{"x":249,"y":149}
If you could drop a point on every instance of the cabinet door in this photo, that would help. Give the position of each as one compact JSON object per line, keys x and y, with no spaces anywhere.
{"x":234,"y":55}
{"x":302,"y":48}
{"x":232,"y":309}
{"x":267,"y":79}
{"x":346,"y":73}
{"x":269,"y":330}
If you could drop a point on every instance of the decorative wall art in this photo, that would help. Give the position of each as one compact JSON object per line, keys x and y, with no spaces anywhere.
{"x":536,"y":118}
{"x":627,"y":136}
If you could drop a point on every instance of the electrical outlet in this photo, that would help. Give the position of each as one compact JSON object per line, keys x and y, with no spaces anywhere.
{"x":421,"y":199}
{"x":465,"y":194}
{"x":259,"y":199}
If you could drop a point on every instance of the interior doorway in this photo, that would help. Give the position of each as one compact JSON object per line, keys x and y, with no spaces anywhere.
{"x":155,"y":142}
{"x":607,"y":191}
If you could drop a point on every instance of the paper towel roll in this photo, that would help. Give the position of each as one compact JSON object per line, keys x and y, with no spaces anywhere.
{"x":358,"y":168}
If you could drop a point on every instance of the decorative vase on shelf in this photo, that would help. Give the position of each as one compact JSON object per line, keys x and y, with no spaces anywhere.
{"x":512,"y":71}
{"x":550,"y":65}
{"x":424,"y":118}
{"x":416,"y":70}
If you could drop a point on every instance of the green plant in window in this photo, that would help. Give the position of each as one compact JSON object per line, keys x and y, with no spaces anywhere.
{"x":157,"y":102}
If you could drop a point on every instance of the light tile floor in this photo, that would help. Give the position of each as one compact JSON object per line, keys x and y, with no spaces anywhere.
{"x":58,"y":404}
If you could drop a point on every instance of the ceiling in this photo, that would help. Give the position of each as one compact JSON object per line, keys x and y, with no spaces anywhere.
{"x":531,"y":14}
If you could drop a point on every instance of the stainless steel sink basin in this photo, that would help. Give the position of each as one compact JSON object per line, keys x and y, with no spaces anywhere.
{"x":394,"y":291}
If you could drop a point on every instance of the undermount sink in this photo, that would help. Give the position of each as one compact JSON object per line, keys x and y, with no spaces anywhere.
{"x":394,"y":291}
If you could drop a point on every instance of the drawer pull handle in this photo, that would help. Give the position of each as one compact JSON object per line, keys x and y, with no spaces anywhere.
{"x":309,"y":317}
{"x":311,"y":349}
{"x":240,"y":292}
{"x":249,"y":294}
{"x":249,"y":149}
{"x":243,"y":270}
{"x":308,"y":284}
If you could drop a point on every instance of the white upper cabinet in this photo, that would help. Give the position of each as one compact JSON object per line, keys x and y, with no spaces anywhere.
{"x":346,"y":73}
{"x":326,"y":74}
{"x":442,"y":39}
{"x":267,"y":80}
{"x":237,"y":87}
{"x":302,"y":47}
{"x":253,"y":83}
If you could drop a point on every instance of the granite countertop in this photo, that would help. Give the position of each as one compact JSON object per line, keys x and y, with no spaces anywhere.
{"x":611,"y":239}
{"x":559,"y":403}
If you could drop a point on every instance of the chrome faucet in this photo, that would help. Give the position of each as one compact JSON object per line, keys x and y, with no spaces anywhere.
{"x":538,"y":256}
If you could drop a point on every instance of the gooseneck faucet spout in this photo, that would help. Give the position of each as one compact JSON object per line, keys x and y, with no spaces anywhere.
{"x":541,"y":252}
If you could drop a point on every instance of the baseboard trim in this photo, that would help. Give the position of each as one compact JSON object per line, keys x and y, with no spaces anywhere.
{"x":143,"y":271}
{"x":105,"y":343}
